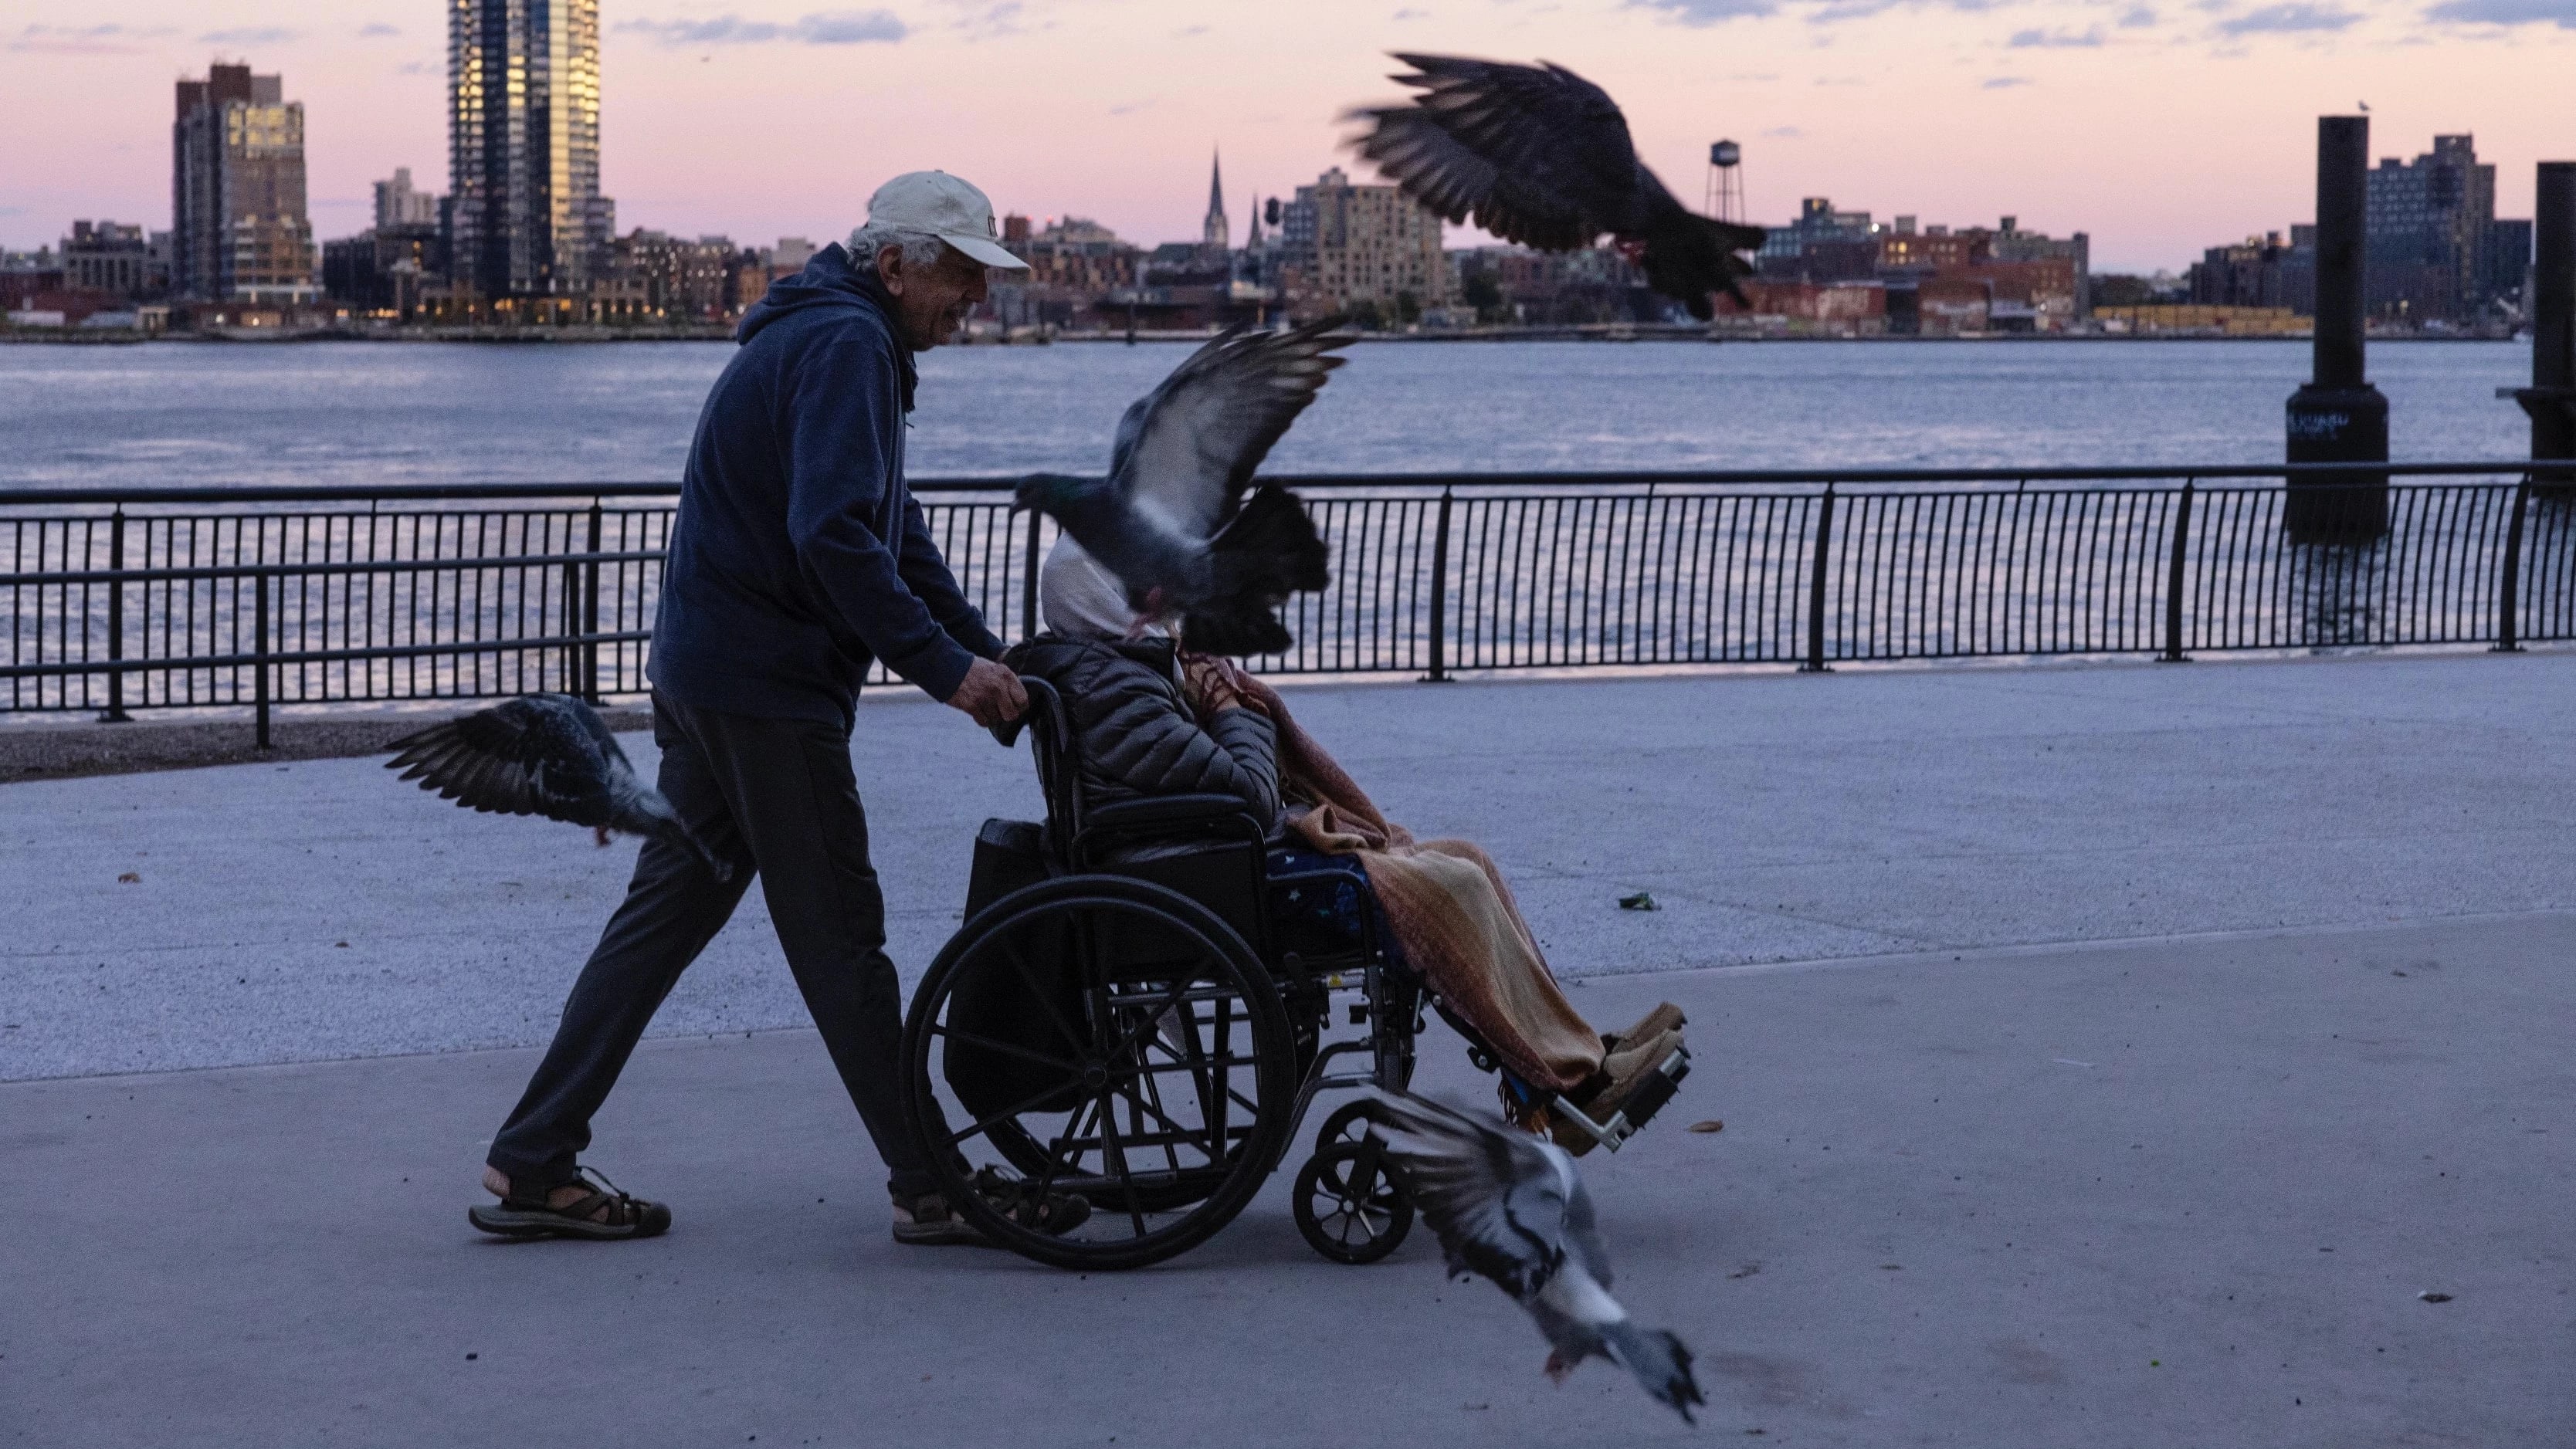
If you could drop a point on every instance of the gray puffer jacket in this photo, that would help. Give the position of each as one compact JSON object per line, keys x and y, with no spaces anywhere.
{"x":1134,"y":730}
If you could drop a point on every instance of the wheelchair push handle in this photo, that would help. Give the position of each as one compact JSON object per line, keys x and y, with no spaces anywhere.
{"x":1046,"y":709}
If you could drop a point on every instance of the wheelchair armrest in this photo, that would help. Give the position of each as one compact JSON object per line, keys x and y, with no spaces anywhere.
{"x":1168,"y":812}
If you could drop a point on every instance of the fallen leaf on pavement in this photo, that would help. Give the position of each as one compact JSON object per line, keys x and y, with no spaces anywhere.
{"x":1711,"y":1125}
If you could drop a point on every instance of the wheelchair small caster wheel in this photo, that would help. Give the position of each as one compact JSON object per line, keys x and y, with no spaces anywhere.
{"x":1349,"y":1205}
{"x":1348,"y":1124}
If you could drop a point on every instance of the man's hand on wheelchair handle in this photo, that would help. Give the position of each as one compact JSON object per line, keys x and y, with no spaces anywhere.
{"x":990,"y":694}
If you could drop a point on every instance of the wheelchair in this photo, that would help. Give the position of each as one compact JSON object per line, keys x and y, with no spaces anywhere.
{"x":1143,"y":1002}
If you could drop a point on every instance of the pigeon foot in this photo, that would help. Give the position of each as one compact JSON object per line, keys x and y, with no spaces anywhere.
{"x":1558,"y":1368}
{"x":599,"y":833}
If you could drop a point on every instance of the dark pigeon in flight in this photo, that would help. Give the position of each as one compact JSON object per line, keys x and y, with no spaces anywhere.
{"x":1539,"y":156}
{"x":1171,"y":519}
{"x":549,"y":755}
{"x":1510,"y":1207}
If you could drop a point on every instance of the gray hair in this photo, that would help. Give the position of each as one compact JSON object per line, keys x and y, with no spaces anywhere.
{"x":920,"y":248}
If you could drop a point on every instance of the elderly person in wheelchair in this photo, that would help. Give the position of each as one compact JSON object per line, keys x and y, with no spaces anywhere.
{"x":1151,"y":719}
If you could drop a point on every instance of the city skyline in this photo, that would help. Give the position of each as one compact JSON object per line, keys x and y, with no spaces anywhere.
{"x":767,"y":119}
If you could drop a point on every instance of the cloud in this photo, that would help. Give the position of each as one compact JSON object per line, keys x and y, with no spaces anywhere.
{"x":412,"y":67}
{"x":1409,"y":13}
{"x":1785,"y":133}
{"x":2561,"y":13}
{"x":378,"y":30}
{"x":1187,"y":31}
{"x":249,"y":35}
{"x":2058,"y":40}
{"x":985,"y":22}
{"x":2005,"y":83}
{"x":82,"y":39}
{"x":2288,"y":19}
{"x":826,"y":27}
{"x":1707,"y":12}
{"x":2137,"y":17}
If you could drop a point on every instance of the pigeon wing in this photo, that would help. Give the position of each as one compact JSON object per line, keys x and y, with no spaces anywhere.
{"x":1186,"y":449}
{"x":1533,"y":154}
{"x":1497,"y":1199}
{"x":523,"y":757}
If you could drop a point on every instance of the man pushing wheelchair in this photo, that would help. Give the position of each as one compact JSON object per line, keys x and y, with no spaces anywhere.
{"x":798,"y":560}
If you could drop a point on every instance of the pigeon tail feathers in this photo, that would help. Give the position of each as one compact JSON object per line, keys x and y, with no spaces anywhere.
{"x":1661,"y":1362}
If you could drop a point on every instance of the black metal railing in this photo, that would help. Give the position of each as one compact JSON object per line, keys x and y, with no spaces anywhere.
{"x":115,"y":600}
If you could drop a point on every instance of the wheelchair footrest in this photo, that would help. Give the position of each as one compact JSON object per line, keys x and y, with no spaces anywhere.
{"x":1639,"y":1109}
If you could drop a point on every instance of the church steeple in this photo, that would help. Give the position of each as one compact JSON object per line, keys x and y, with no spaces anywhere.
{"x":1216,"y":229}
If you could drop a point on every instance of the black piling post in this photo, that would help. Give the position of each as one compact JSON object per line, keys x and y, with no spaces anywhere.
{"x":2551,"y":398}
{"x":2339,"y":417}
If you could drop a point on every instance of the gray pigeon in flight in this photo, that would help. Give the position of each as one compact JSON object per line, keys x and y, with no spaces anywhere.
{"x":1539,"y":156}
{"x":549,"y":755}
{"x":1509,"y":1207}
{"x":1171,"y":519}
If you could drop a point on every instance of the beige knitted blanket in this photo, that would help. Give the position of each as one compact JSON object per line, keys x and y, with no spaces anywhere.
{"x":1447,"y":905}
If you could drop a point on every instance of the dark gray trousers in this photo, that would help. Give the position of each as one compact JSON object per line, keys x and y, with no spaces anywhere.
{"x":776,"y":797}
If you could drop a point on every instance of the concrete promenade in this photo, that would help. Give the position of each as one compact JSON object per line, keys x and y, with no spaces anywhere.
{"x":2107,"y":1055}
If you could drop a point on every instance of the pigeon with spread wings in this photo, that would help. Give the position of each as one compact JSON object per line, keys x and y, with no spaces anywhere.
{"x":1510,"y":1208}
{"x":1171,"y":519}
{"x":549,"y":755}
{"x":1539,"y":156}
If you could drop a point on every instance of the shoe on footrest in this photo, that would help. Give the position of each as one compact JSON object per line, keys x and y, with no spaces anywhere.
{"x":1630,"y":1069}
{"x":1665,"y":1017}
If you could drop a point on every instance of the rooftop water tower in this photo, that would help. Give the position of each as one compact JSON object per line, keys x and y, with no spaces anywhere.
{"x":1725,"y":199}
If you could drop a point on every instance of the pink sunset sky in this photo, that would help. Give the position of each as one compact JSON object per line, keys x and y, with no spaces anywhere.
{"x":2159,"y":126}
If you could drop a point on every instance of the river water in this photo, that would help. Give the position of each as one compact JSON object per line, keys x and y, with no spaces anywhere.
{"x":199,"y":414}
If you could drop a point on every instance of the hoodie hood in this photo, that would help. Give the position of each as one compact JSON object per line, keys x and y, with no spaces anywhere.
{"x":830,"y":280}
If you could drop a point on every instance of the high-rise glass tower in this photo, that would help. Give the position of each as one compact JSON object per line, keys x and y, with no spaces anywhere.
{"x":523,"y":148}
{"x":238,"y":230}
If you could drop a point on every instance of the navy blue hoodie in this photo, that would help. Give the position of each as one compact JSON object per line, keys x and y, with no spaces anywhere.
{"x":799,"y":556}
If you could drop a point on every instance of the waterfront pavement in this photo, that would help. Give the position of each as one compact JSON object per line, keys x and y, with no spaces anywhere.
{"x":2107,"y":1055}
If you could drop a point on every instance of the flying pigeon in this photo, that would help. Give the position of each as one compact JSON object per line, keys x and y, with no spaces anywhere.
{"x":1508,"y":1207}
{"x":1171,"y":519}
{"x":1539,"y":156}
{"x":549,"y":755}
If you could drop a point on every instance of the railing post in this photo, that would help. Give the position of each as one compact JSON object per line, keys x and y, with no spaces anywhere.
{"x":1816,"y":588}
{"x":2173,"y":580}
{"x":590,"y":612}
{"x":2509,"y":584}
{"x":116,"y":621}
{"x":259,"y":653}
{"x":1440,"y":594}
{"x":1029,"y":577}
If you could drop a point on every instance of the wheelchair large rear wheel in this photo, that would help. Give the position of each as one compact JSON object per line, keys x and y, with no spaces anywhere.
{"x":1105,"y":1037}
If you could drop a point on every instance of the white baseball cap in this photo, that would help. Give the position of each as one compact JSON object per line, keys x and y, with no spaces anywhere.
{"x":948,"y":208}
